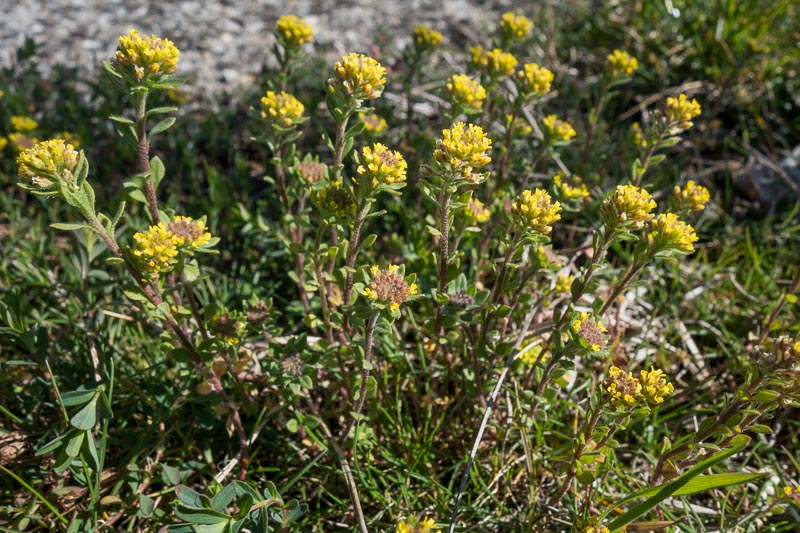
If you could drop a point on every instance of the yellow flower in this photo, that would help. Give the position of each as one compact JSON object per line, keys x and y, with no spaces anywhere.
{"x":638,"y":135}
{"x":476,"y":212}
{"x":466,"y":93}
{"x":193,"y":232}
{"x":564,"y":282}
{"x":48,"y":162}
{"x":156,"y":248}
{"x":536,"y":210}
{"x":336,"y":199}
{"x":22,"y":123}
{"x":621,"y":64}
{"x":69,"y":138}
{"x":534,"y":80}
{"x":514,"y":27}
{"x":519,"y":126}
{"x":692,"y":197}
{"x":280,"y":110}
{"x":596,"y":529}
{"x":426,"y":525}
{"x":654,"y":385}
{"x":667,"y":231}
{"x":464,"y":148}
{"x":680,"y":111}
{"x":592,"y":331}
{"x":560,"y":131}
{"x":623,"y":388}
{"x":3,"y":143}
{"x":381,"y":165}
{"x":359,"y":76}
{"x":499,"y":63}
{"x":146,"y":56}
{"x":630,"y":206}
{"x":566,"y":191}
{"x":293,"y":31}
{"x":793,"y":493}
{"x":373,"y":123}
{"x":533,"y":353}
{"x":389,"y":286}
{"x":426,"y":38}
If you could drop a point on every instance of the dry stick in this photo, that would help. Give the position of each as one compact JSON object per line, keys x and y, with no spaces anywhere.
{"x":487,"y":413}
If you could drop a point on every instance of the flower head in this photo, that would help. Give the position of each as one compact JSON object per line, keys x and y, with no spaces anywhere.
{"x":559,"y":131}
{"x":564,"y":283}
{"x":311,"y":171}
{"x":680,"y":111}
{"x":146,"y":56}
{"x":669,"y":232}
{"x":514,"y":27}
{"x":465,"y":149}
{"x":336,"y":199}
{"x":536,"y":211}
{"x":280,"y":110}
{"x":476,"y":212}
{"x":3,"y":143}
{"x":48,"y":162}
{"x":534,"y":80}
{"x":793,"y":494}
{"x":293,"y":31}
{"x":569,"y":191}
{"x":359,"y":76}
{"x":494,"y":62}
{"x":156,"y":248}
{"x":630,"y":206}
{"x":373,"y":123}
{"x":623,"y":388}
{"x":381,"y":165}
{"x":415,"y":525}
{"x":530,"y":355}
{"x":621,"y":64}
{"x":466,"y":93}
{"x":426,"y":38}
{"x":654,"y":385}
{"x":389,"y":286}
{"x":591,"y":331}
{"x":638,"y":135}
{"x":692,"y":197}
{"x":23,"y":123}
{"x":193,"y":232}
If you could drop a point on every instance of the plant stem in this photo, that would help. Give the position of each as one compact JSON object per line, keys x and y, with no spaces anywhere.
{"x":444,"y":251}
{"x":143,"y":152}
{"x":369,"y":332}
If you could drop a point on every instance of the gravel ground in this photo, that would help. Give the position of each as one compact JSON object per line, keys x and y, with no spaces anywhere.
{"x":224,"y":44}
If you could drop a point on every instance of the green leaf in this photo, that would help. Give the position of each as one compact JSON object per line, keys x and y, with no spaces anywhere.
{"x":86,"y":418}
{"x":156,"y":170}
{"x":73,"y":447}
{"x":69,"y":226}
{"x":146,"y":506}
{"x":162,"y":126}
{"x":667,"y":490}
{"x":159,"y":111}
{"x":122,"y":120}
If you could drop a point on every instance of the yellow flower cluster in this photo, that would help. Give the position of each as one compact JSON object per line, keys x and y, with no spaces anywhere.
{"x":638,"y":135}
{"x":148,"y":56}
{"x":425,"y":37}
{"x":630,"y":206}
{"x":590,"y":330}
{"x":623,"y":388}
{"x":476,"y":212}
{"x":568,"y":191}
{"x":389,"y":286}
{"x":654,"y":385}
{"x":536,"y":210}
{"x":560,"y":131}
{"x":466,"y":93}
{"x":464,"y":148}
{"x":793,"y":493}
{"x":534,"y":80}
{"x":596,"y":529}
{"x":514,"y":27}
{"x":359,"y":76}
{"x":564,"y":282}
{"x":680,"y":111}
{"x":336,"y":199}
{"x":533,"y":353}
{"x":191,"y":232}
{"x":381,"y":165}
{"x":626,"y":390}
{"x":3,"y":143}
{"x":23,"y":123}
{"x":293,"y":31}
{"x":48,"y":161}
{"x":621,"y":64}
{"x":667,"y":231}
{"x":156,"y":248}
{"x":692,"y":197}
{"x":494,"y":62}
{"x":281,"y":109}
{"x":426,"y":525}
{"x":373,"y":123}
